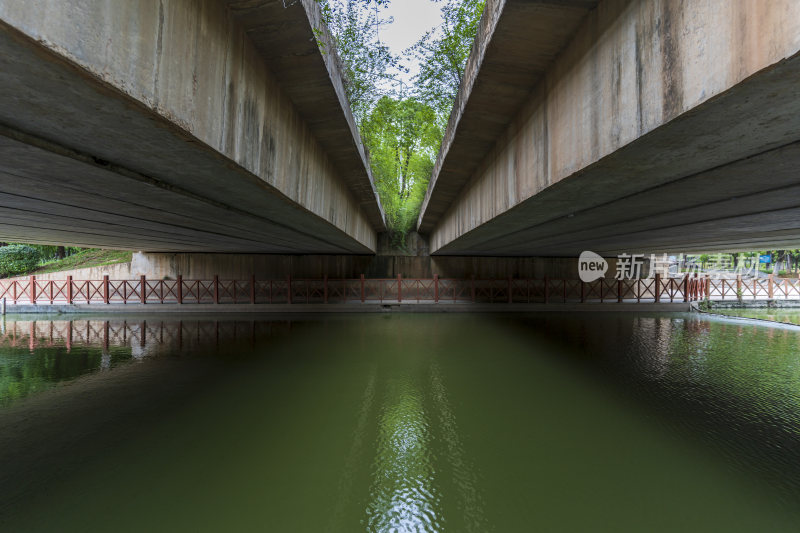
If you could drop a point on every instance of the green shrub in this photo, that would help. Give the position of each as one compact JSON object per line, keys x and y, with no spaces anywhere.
{"x":18,"y":259}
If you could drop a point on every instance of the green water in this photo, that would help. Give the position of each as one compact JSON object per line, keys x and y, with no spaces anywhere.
{"x":785,"y":315}
{"x":588,"y":422}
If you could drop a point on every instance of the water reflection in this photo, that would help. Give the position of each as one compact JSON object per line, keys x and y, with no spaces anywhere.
{"x":423,"y":423}
{"x":470,"y":499}
{"x":37,"y":354}
{"x":403,"y":496}
{"x":358,"y":450}
{"x":422,"y":478}
{"x":730,"y":384}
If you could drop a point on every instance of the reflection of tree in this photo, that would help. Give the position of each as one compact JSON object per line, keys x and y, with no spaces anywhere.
{"x":403,"y":496}
{"x":37,"y":354}
{"x":355,"y":455}
{"x":465,"y":477}
{"x":23,"y":373}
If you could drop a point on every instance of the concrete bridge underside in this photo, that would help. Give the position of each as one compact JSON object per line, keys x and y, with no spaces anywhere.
{"x":623,"y":125}
{"x":174,"y":125}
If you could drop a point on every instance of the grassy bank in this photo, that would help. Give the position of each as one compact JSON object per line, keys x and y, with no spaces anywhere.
{"x":85,"y":259}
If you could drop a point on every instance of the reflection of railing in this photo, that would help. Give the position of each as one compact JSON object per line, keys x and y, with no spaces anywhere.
{"x":399,"y":289}
{"x":193,"y":334}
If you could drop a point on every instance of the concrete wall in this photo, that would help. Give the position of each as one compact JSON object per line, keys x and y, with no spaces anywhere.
{"x":242,"y":266}
{"x":190,"y":65}
{"x":117,"y":271}
{"x":634,"y":65}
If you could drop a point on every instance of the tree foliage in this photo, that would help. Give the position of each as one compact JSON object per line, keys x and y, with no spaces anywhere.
{"x":443,"y":54}
{"x":403,"y":138}
{"x":355,"y":25}
{"x":402,"y":132}
{"x":18,"y":259}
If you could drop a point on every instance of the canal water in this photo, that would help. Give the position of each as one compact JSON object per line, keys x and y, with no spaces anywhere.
{"x":400,"y":422}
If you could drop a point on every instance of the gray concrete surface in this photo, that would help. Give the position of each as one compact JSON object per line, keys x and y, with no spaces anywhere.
{"x":272,"y":266}
{"x":174,"y":125}
{"x":656,"y":126}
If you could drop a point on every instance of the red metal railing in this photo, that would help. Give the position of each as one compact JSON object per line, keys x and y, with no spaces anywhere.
{"x":399,"y":289}
{"x":325,"y":290}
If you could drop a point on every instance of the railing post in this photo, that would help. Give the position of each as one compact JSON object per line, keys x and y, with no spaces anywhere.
{"x":33,"y":289}
{"x":399,"y":287}
{"x":657,"y":289}
{"x":686,"y":288}
{"x":362,"y":288}
{"x":510,"y":288}
{"x":14,"y":286}
{"x":216,"y":288}
{"x":436,"y":288}
{"x":546,"y":289}
{"x":143,"y":289}
{"x":252,"y":289}
{"x":105,"y":289}
{"x":739,"y":285}
{"x":619,"y":290}
{"x":325,"y":288}
{"x":69,"y":290}
{"x":771,"y":287}
{"x":180,"y":289}
{"x":583,"y":292}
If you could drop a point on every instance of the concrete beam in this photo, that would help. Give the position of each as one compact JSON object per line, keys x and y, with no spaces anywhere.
{"x":288,"y":37}
{"x":160,"y":126}
{"x":516,"y":41}
{"x":662,"y":126}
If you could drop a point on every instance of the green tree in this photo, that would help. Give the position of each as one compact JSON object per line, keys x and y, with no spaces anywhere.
{"x":402,"y":134}
{"x":366,"y":61}
{"x":18,"y":259}
{"x":794,"y":256}
{"x":443,"y":54}
{"x":402,"y":138}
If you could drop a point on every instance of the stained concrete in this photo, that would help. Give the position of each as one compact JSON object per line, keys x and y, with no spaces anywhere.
{"x":242,"y":266}
{"x":161,"y":125}
{"x":274,"y":266}
{"x":660,"y":126}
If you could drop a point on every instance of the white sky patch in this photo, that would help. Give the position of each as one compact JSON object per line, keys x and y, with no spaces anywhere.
{"x":412,"y":18}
